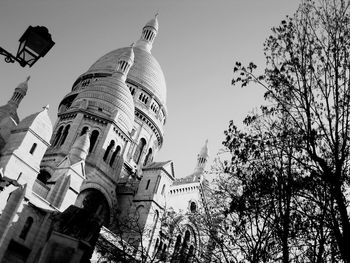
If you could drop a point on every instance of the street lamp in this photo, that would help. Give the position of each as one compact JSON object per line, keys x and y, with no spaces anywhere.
{"x":33,"y":44}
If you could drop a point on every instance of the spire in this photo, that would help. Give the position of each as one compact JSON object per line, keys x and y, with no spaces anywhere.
{"x":149,"y":33}
{"x":80,"y":148}
{"x":202,"y":158}
{"x":125,"y":61}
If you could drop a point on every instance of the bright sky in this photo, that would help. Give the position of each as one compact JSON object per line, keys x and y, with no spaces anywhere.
{"x":197,"y":44}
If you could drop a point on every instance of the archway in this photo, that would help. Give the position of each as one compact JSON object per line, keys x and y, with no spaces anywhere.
{"x":96,"y":203}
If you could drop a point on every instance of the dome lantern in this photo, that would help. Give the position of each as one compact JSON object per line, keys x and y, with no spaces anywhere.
{"x":149,"y":33}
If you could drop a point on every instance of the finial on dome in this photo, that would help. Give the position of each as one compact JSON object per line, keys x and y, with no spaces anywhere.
{"x":47,"y":107}
{"x":28,"y":78}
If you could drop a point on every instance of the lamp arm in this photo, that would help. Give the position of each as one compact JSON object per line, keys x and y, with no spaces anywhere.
{"x":9,"y":58}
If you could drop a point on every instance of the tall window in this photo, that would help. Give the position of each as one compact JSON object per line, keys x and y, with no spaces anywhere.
{"x":32,"y":150}
{"x":139,"y":149}
{"x":93,"y":139}
{"x":148,"y":158}
{"x":193,"y":207}
{"x":64,"y":135}
{"x":147,"y":185}
{"x":58,"y":136}
{"x":114,"y":155}
{"x":108,"y":150}
{"x":26,"y":228}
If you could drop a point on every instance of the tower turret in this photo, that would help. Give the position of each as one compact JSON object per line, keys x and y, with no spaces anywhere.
{"x":149,"y":33}
{"x":10,"y":109}
{"x":126,"y":60}
{"x":202,"y":158}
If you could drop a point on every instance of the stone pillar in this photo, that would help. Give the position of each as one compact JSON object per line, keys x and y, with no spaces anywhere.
{"x":9,"y":213}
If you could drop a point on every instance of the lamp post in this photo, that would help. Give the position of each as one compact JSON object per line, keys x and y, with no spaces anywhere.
{"x":33,"y":44}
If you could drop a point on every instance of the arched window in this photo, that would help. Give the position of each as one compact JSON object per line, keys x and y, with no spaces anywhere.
{"x":139,"y":149}
{"x":147,"y":185}
{"x":193,"y":207}
{"x":108,"y":150}
{"x":64,"y":135}
{"x":33,"y":148}
{"x":93,"y":139}
{"x":148,"y":158}
{"x":114,"y":155}
{"x":27,"y":225}
{"x":84,"y":130}
{"x":96,"y":204}
{"x":58,"y":136}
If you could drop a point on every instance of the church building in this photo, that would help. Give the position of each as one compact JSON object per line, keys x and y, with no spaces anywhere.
{"x":88,"y":188}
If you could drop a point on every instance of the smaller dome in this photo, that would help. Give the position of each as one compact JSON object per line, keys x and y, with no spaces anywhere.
{"x":80,"y":148}
{"x":39,"y":123}
{"x":145,"y":70}
{"x":112,"y":93}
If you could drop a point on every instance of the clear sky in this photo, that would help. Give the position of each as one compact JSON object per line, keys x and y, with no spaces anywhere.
{"x":197,"y":44}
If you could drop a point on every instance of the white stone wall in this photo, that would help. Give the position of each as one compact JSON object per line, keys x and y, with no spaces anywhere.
{"x":180,"y":196}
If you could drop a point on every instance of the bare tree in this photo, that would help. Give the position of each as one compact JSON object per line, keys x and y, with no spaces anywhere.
{"x":307,"y":78}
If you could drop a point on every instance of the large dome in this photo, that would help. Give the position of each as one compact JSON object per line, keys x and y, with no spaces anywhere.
{"x":146,"y":70}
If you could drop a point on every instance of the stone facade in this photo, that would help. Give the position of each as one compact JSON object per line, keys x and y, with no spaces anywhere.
{"x":95,"y":168}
